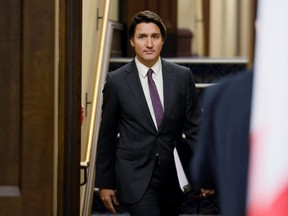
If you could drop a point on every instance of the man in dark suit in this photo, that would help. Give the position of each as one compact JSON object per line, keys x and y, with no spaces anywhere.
{"x":220,"y":160}
{"x":138,"y":168}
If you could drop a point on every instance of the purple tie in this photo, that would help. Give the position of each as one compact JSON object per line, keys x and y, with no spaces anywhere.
{"x":156,"y":103}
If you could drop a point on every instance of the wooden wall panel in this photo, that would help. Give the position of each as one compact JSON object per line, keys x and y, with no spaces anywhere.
{"x":27,"y":56}
{"x":10,"y":93}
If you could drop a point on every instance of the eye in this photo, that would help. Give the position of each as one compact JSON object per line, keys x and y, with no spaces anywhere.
{"x":141,"y":37}
{"x":156,"y":36}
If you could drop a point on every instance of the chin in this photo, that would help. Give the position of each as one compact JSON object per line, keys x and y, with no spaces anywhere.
{"x":151,"y":58}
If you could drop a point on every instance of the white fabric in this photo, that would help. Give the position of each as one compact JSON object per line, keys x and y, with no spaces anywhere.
{"x":268,"y":174}
{"x":183,"y":182}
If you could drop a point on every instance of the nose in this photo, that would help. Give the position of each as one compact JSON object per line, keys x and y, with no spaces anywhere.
{"x":149,"y":42}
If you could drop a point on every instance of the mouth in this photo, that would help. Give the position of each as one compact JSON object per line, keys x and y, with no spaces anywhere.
{"x":149,"y":52}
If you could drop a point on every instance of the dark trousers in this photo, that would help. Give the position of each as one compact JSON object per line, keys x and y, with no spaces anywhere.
{"x":157,"y":201}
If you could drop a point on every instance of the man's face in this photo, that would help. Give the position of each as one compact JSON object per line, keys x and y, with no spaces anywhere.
{"x":147,"y":42}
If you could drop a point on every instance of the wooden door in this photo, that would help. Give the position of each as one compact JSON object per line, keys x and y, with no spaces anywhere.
{"x":27,"y":42}
{"x":40,"y":98}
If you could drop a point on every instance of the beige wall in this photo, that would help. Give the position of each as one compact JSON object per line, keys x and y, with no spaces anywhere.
{"x":229,"y":32}
{"x":89,"y":51}
{"x":90,"y":34}
{"x":245,"y":29}
{"x":190,"y":17}
{"x":113,"y":13}
{"x":90,"y":44}
{"x":223,"y":28}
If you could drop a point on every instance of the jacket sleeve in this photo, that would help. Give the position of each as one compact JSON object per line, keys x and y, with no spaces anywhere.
{"x":107,"y":138}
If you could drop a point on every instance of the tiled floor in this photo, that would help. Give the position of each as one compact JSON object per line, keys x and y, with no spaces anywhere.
{"x":107,"y":214}
{"x":192,"y":205}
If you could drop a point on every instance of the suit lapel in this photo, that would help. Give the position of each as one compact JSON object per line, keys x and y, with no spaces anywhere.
{"x":168,"y":91}
{"x":133,"y":81}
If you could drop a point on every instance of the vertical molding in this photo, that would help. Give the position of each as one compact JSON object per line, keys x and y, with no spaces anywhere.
{"x":70,"y":46}
{"x":230,"y":28}
{"x":223,"y":35}
{"x":56,"y":106}
{"x":206,"y":16}
{"x":253,"y":4}
{"x":216,"y":28}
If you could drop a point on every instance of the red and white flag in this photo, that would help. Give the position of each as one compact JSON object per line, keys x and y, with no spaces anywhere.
{"x":268,"y":168}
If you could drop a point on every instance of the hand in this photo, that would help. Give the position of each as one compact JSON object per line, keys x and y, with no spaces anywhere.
{"x":108,"y":198}
{"x":207,"y":192}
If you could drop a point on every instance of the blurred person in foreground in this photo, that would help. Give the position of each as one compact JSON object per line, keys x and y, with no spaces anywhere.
{"x":220,"y":160}
{"x":137,"y":170}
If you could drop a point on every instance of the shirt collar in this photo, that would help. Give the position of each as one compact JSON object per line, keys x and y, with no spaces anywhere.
{"x":143,"y":69}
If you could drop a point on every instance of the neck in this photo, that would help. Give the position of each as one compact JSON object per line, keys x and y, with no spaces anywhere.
{"x":148,"y":63}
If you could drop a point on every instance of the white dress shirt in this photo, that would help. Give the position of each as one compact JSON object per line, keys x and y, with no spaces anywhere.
{"x":158,"y":79}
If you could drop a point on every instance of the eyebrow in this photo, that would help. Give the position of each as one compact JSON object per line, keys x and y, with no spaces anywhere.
{"x":145,"y":34}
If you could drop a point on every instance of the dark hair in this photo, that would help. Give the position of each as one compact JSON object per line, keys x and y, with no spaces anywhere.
{"x":146,"y":17}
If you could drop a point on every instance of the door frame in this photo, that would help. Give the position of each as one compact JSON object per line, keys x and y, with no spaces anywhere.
{"x":69,"y":93}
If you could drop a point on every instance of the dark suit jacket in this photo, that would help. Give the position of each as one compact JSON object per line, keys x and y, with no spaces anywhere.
{"x":126,"y":165}
{"x":221,"y":156}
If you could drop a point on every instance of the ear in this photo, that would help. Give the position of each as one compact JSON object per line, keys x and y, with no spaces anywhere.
{"x":132,"y":42}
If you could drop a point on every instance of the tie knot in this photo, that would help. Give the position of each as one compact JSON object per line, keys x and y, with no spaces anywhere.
{"x":150,"y":72}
